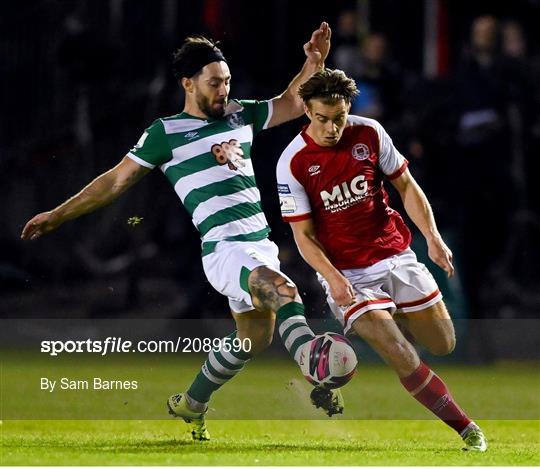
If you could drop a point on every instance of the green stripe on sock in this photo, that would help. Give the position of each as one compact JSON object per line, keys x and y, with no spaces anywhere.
{"x":299,"y":342}
{"x":225,"y":364}
{"x":241,"y":354}
{"x":291,"y":328}
{"x":202,"y":388}
{"x":216,"y":373}
{"x":288,"y":310}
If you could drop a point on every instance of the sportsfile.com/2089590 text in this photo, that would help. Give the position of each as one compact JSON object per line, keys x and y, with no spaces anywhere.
{"x":119,"y":345}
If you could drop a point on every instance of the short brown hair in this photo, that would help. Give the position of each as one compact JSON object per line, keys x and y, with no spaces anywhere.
{"x":329,"y":86}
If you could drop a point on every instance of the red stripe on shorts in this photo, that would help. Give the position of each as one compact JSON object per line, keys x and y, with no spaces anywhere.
{"x":419,"y":302}
{"x":358,"y":306}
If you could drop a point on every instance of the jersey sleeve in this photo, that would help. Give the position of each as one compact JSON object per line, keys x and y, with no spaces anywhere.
{"x":392,"y":163}
{"x":152,"y":149}
{"x":293,"y":199}
{"x":257,"y":113}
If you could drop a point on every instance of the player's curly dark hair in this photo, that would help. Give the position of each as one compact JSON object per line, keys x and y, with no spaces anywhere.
{"x":193,"y":48}
{"x":329,"y":86}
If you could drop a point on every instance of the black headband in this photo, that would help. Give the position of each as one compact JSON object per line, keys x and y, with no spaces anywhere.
{"x":196,"y":61}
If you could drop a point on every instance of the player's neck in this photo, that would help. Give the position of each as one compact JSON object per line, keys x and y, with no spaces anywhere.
{"x":194,"y":110}
{"x":311,"y":135}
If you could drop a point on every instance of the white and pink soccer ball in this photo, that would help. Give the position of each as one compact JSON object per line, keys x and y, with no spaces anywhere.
{"x":328,"y":360}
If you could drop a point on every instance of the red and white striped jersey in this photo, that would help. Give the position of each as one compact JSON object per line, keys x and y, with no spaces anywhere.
{"x":341,"y":189}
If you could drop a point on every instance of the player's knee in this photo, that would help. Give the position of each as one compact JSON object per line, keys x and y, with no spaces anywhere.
{"x":392,"y":347}
{"x":289,"y":291}
{"x":401,"y":349}
{"x":271,"y":289}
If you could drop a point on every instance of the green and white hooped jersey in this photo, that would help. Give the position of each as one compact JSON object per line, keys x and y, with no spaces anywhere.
{"x":209,"y":165}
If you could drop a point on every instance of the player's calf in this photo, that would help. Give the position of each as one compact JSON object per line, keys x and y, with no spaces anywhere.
{"x":220,"y":367}
{"x":383,"y":335}
{"x":255,"y":328}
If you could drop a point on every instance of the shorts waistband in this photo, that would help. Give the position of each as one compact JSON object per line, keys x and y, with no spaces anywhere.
{"x":384,"y":265}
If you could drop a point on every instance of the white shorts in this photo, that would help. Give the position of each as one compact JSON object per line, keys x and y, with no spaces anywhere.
{"x":228,"y":268}
{"x":398,"y":283}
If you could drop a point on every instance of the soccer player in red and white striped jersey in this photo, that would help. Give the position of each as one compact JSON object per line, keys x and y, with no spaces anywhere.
{"x":331,"y":187}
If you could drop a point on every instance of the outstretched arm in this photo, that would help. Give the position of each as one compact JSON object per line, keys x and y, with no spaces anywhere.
{"x":417,"y":207}
{"x":313,"y":253}
{"x":288,"y":105}
{"x":101,"y":191}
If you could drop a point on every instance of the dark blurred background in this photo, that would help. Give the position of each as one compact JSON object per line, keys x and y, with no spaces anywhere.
{"x":455,"y":83}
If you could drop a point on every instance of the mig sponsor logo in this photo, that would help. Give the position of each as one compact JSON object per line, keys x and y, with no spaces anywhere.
{"x":360,"y":151}
{"x":346,"y":194}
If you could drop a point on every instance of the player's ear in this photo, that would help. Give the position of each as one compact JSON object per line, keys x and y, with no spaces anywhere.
{"x":307,"y":110}
{"x":187,"y":84}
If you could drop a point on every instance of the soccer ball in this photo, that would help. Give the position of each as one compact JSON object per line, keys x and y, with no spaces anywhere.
{"x":328,"y":360}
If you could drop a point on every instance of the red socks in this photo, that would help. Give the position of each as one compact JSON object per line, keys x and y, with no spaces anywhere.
{"x":428,"y":389}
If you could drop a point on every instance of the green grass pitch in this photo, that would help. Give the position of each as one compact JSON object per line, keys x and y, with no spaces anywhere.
{"x":388,"y":426}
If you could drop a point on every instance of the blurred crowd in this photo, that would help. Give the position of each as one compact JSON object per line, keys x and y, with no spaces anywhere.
{"x":473,"y":140}
{"x":79,"y":99}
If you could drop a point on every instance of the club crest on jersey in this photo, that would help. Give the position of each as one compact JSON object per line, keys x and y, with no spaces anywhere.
{"x":235,"y":121}
{"x":229,"y":153}
{"x":360,"y":151}
{"x":313,"y":170}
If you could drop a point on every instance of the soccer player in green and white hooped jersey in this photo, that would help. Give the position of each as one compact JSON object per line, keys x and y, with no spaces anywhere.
{"x":205,"y":153}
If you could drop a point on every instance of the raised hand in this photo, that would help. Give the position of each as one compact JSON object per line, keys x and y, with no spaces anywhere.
{"x":319,"y":45}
